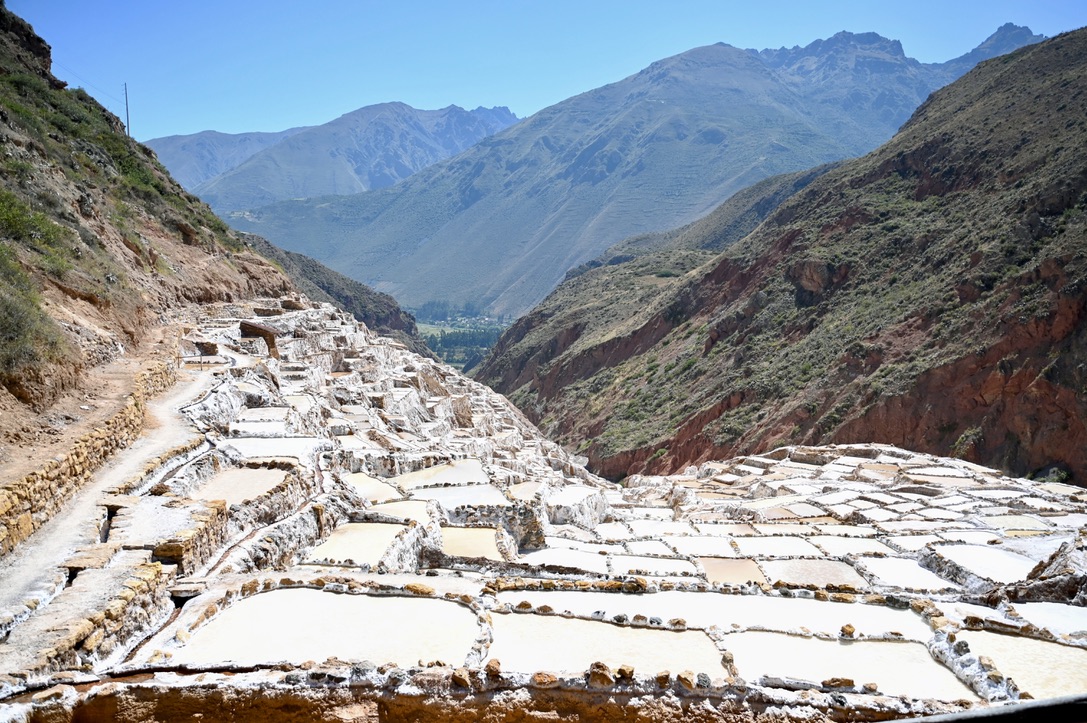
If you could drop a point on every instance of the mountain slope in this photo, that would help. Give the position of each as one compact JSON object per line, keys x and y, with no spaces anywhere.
{"x":97,"y":241}
{"x":198,"y":157}
{"x":372,"y":147}
{"x":501,"y":223}
{"x":930,"y":294}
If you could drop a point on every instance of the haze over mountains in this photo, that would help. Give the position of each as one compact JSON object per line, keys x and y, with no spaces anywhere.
{"x":501,"y":223}
{"x":369,"y":148}
{"x":929,"y":294}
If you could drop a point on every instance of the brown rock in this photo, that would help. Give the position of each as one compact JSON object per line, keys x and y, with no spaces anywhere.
{"x":626,"y":672}
{"x":664,"y":679}
{"x":418,"y":588}
{"x":838,"y":683}
{"x":544,"y":679}
{"x":493,"y":668}
{"x":600,"y":675}
{"x":688,"y":679}
{"x":848,"y":631}
{"x":462,"y":677}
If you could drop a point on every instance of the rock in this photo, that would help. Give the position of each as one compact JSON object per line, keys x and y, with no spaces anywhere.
{"x":664,"y":679}
{"x":848,"y":631}
{"x":544,"y":679}
{"x":687,"y":679}
{"x":600,"y":675}
{"x":493,"y":668}
{"x":626,"y":673}
{"x":418,"y":588}
{"x":838,"y":683}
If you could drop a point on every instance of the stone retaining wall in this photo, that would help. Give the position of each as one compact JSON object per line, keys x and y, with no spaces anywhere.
{"x":28,"y":503}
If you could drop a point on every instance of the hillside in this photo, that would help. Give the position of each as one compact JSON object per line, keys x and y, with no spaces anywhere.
{"x":930,"y":294}
{"x":97,"y":242}
{"x":369,"y":148}
{"x":501,"y":223}
{"x":198,"y":157}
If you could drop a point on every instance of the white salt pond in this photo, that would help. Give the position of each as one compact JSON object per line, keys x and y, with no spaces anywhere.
{"x":360,"y":542}
{"x":1061,"y":619}
{"x":725,"y":528}
{"x":777,"y":547}
{"x":297,"y":625}
{"x":989,"y":562}
{"x":457,"y":472}
{"x":813,"y":572}
{"x":1041,"y":668}
{"x":451,"y":497}
{"x":579,"y":559}
{"x":371,"y":488}
{"x":703,"y":546}
{"x":405,"y":510}
{"x":659,"y":528}
{"x":300,"y":448}
{"x":839,"y":546}
{"x":238,"y":484}
{"x":898,"y":668}
{"x":904,"y":573}
{"x":731,"y":571}
{"x":624,"y":564}
{"x":568,"y":544}
{"x":649,"y":547}
{"x":524,"y":490}
{"x":703,"y":610}
{"x":912,"y":543}
{"x":527,"y":643}
{"x":471,"y":542}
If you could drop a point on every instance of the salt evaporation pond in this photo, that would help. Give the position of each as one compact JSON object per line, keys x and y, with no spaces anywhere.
{"x":297,"y":625}
{"x":989,"y":562}
{"x":1061,"y":619}
{"x":703,"y":610}
{"x":1041,"y":668}
{"x":838,"y":546}
{"x":451,"y":497}
{"x":624,"y":564}
{"x":904,"y":573}
{"x":707,"y":546}
{"x":238,"y":484}
{"x":898,"y":668}
{"x":300,"y":448}
{"x":471,"y":542}
{"x":405,"y":510}
{"x":524,"y":490}
{"x":457,"y":472}
{"x":579,"y":559}
{"x":777,"y":547}
{"x":527,"y":643}
{"x":371,"y":488}
{"x":813,"y":572}
{"x":360,"y":542}
{"x":736,"y":571}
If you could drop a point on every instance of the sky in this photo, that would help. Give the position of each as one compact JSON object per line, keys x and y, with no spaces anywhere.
{"x":268,"y":65}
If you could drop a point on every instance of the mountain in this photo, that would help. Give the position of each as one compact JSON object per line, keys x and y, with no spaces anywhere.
{"x":198,"y":157}
{"x":98,"y":243}
{"x":930,"y":294}
{"x":369,"y":148}
{"x":501,"y":223}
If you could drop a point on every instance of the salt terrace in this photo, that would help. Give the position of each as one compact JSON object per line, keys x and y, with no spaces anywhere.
{"x":357,"y":531}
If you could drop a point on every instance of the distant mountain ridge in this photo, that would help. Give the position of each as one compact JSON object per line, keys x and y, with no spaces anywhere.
{"x":930,"y":294}
{"x":369,"y":148}
{"x":198,"y":157}
{"x":501,"y":223}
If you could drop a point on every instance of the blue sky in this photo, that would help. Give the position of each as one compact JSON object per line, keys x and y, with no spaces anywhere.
{"x":247,"y":65}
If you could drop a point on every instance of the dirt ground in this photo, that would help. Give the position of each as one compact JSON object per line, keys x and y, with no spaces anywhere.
{"x":29,"y":438}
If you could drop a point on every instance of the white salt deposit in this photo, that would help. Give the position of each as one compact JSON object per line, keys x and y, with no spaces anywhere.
{"x":1041,"y":668}
{"x":360,"y":542}
{"x":238,"y":484}
{"x":988,"y":562}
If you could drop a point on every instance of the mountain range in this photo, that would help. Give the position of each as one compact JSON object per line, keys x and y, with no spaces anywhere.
{"x":369,"y":148}
{"x":501,"y":223}
{"x":930,"y":294}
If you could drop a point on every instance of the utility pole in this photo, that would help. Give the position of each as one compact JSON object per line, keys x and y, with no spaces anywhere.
{"x":128,"y":124}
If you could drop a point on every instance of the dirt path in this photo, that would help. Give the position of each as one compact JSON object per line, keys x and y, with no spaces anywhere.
{"x":29,"y":567}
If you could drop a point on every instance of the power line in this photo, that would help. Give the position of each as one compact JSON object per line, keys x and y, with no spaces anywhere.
{"x":87,"y":83}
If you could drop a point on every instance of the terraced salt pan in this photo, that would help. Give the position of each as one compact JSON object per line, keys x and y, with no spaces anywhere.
{"x":371,"y":488}
{"x":1016,"y":522}
{"x":405,"y":510}
{"x":846,"y":530}
{"x":973,"y":537}
{"x":361,"y":542}
{"x":707,"y":546}
{"x":1041,"y":668}
{"x":297,"y":625}
{"x":613,"y":531}
{"x":777,"y":547}
{"x":624,"y":564}
{"x":302,"y":403}
{"x":566,"y":543}
{"x":898,"y":668}
{"x":813,"y":572}
{"x":451,"y":497}
{"x":471,"y":542}
{"x":912,"y":543}
{"x":588,"y":561}
{"x":649,"y":547}
{"x":1061,"y":619}
{"x":703,"y":610}
{"x":238,"y":484}
{"x":528,"y":643}
{"x":524,"y":491}
{"x":903,"y":573}
{"x":735,"y":571}
{"x":300,"y":448}
{"x":838,"y":546}
{"x":659,"y":528}
{"x":571,"y":494}
{"x":457,"y":472}
{"x":723,"y":529}
{"x":988,"y":562}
